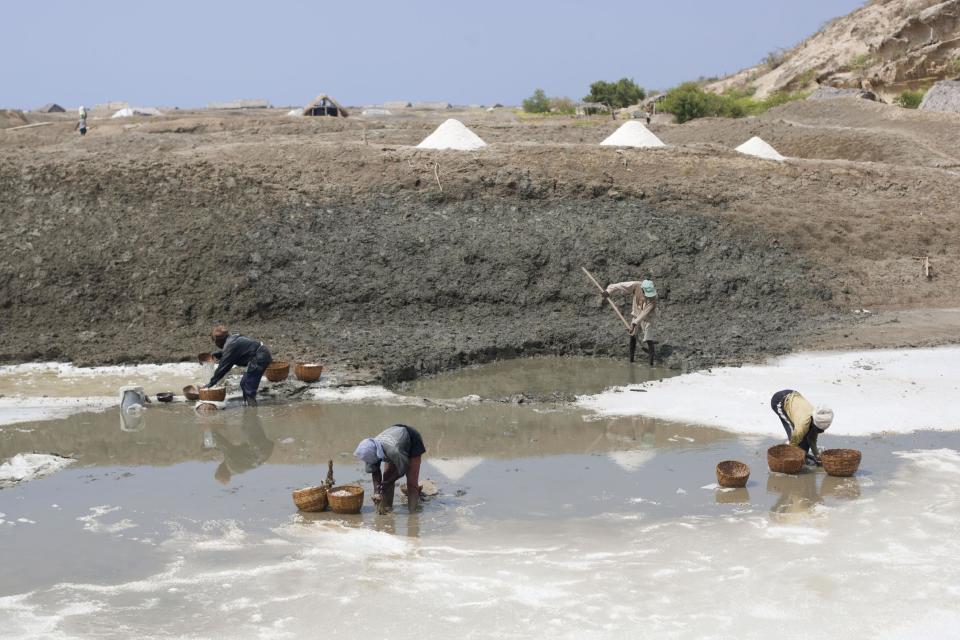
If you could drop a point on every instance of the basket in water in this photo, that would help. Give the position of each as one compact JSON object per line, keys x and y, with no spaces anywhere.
{"x":278,"y":371}
{"x":840,"y":462}
{"x":731,"y":473}
{"x":165,"y":396}
{"x":310,"y":498}
{"x":347,"y":498}
{"x":785,"y":458}
{"x":308,"y":372}
{"x":213,"y":394}
{"x":190,"y":392}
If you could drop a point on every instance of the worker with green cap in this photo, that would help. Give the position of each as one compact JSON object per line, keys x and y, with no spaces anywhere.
{"x":643,"y":313}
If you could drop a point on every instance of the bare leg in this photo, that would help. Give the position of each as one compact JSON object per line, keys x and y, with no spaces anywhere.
{"x":413,"y":484}
{"x":633,"y":347}
{"x":652,"y":351}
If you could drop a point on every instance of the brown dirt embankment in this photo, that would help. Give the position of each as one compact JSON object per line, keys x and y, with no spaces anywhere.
{"x":127,"y":245}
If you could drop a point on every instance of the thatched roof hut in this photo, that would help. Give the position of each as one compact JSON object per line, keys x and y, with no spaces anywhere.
{"x":51,"y":107}
{"x":324,"y":105}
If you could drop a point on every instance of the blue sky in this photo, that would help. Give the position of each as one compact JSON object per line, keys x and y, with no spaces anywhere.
{"x":188,"y":53}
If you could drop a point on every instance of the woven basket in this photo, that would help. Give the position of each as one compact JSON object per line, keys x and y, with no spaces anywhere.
{"x":308,"y":372}
{"x":190,"y":392}
{"x":165,"y":396}
{"x":785,"y":458}
{"x":310,"y":499}
{"x":840,"y":462}
{"x":731,"y":473}
{"x":346,"y":504}
{"x":204,"y":358}
{"x":278,"y":371}
{"x":213,"y":394}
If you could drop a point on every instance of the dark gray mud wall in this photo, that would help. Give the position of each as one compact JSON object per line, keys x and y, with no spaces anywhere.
{"x":138,"y":267}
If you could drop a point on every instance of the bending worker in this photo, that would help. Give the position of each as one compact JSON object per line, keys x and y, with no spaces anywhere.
{"x":643,"y":312}
{"x":244,"y":352}
{"x":802,"y":422}
{"x":400,"y":447}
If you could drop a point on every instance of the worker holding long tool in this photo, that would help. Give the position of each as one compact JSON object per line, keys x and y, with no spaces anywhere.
{"x":643,"y":313}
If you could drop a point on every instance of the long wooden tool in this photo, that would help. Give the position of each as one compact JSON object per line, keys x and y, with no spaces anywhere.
{"x":612,"y":304}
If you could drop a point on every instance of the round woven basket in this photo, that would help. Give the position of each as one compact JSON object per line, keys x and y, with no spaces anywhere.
{"x":308,"y":372}
{"x":310,"y":498}
{"x":278,"y":371}
{"x":190,"y":392}
{"x":214,"y":394}
{"x":785,"y":458}
{"x":731,"y":473}
{"x":345,"y":504}
{"x":205,"y":357}
{"x":840,"y":462}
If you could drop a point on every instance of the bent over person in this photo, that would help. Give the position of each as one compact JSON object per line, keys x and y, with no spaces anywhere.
{"x":643,"y":312}
{"x":244,"y":352}
{"x":400,"y":447}
{"x":802,"y":422}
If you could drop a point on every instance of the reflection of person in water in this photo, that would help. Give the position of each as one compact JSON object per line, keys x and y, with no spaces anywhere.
{"x":798,"y":494}
{"x":252,"y":451}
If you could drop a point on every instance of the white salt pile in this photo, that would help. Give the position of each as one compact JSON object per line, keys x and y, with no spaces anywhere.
{"x":452,"y":134}
{"x":632,"y":134}
{"x":129,"y":112}
{"x":29,"y":466}
{"x":342,"y":494}
{"x":756,"y":146}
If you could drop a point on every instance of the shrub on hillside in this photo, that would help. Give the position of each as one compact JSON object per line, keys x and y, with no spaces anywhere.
{"x":537,"y":103}
{"x":910,"y":99}
{"x":622,"y":93}
{"x":690,"y":101}
{"x":775,"y":58}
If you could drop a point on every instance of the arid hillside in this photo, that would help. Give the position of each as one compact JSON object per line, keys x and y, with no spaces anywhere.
{"x":886,"y":46}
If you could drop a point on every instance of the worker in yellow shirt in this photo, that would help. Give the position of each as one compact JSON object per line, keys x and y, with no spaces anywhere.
{"x":802,"y":422}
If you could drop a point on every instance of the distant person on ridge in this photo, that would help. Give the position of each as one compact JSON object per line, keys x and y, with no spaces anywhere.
{"x":802,"y":422}
{"x":82,"y":123}
{"x":643,"y":311}
{"x":244,"y":352}
{"x":400,"y":447}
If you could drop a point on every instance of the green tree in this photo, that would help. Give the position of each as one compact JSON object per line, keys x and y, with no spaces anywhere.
{"x":622,"y":93}
{"x":689,"y":101}
{"x":537,"y":103}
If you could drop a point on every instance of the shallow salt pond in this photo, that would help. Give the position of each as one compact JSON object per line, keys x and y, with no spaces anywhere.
{"x":550,"y":521}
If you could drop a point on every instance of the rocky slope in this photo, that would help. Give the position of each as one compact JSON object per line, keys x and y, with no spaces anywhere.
{"x":886,"y":46}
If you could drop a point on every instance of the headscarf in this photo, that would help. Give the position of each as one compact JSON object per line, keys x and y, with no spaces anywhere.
{"x":823,"y":417}
{"x":370,"y":452}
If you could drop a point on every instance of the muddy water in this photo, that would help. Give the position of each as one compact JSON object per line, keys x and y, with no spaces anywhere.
{"x":547,"y":519}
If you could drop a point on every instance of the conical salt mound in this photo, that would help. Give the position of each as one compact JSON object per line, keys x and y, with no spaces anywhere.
{"x":452,"y":134}
{"x":632,"y":134}
{"x":756,"y":146}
